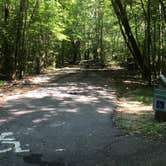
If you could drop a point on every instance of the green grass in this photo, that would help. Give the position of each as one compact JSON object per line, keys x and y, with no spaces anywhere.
{"x":143,"y":94}
{"x":144,"y":125}
{"x":1,"y":83}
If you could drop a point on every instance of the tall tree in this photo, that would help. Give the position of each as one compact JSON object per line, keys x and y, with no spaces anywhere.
{"x":130,"y":40}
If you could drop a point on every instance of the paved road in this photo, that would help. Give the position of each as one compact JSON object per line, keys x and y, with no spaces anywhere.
{"x":68,"y":122}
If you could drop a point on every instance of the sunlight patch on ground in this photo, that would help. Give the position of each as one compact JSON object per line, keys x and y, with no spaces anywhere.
{"x":104,"y":110}
{"x":133,"y":82}
{"x":74,"y":110}
{"x":47,"y":109}
{"x":86,"y":99}
{"x":84,"y":95}
{"x":3,"y":120}
{"x":65,"y":109}
{"x":39,"y":79}
{"x":47,"y":115}
{"x":40,"y":120}
{"x":18,"y":113}
{"x":60,"y":150}
{"x":133,"y":107}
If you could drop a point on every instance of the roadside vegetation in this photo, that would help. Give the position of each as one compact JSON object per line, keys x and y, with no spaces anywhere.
{"x":135,"y":112}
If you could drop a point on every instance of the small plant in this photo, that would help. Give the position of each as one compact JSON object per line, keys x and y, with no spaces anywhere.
{"x":1,"y":83}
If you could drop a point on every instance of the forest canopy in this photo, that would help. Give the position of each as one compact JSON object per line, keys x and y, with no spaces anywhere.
{"x":35,"y":34}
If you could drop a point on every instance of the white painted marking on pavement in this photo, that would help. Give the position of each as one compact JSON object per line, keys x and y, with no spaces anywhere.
{"x":6,"y":150}
{"x":3,"y":135}
{"x":11,"y":140}
{"x":17,"y":146}
{"x":60,"y":150}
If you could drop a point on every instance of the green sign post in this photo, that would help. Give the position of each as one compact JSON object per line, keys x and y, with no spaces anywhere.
{"x":159,"y":104}
{"x":159,"y":100}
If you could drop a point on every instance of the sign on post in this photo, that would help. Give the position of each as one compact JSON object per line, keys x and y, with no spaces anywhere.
{"x":159,"y":103}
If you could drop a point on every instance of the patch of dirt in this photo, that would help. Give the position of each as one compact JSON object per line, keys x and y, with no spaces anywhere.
{"x":13,"y":88}
{"x":27,"y":84}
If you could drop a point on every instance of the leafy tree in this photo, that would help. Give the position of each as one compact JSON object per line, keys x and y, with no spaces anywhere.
{"x":35,"y":34}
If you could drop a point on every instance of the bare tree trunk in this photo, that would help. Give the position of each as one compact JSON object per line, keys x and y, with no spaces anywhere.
{"x":131,"y":42}
{"x":20,"y":39}
{"x":7,"y":65}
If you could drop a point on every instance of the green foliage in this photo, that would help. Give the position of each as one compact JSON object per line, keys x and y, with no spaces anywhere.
{"x":144,"y":95}
{"x":1,"y":83}
{"x":145,"y":125}
{"x":37,"y":33}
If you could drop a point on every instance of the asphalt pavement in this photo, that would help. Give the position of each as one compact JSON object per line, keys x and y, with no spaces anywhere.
{"x":67,"y":121}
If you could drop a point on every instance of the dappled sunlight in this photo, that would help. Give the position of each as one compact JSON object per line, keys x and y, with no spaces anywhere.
{"x":2,"y":121}
{"x":71,"y":110}
{"x":48,"y":115}
{"x":40,"y":120}
{"x":69,"y":97}
{"x":104,"y":110}
{"x":5,"y":120}
{"x":86,"y":99}
{"x":47,"y":109}
{"x":130,"y":104}
{"x":60,"y":150}
{"x":18,"y":113}
{"x":39,"y":79}
{"x":130,"y":82}
{"x":66,"y":109}
{"x":31,"y":94}
{"x":134,"y":107}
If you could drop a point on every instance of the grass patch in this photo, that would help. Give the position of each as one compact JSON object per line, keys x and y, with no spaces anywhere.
{"x":144,"y":95}
{"x":144,"y":125}
{"x":1,"y":83}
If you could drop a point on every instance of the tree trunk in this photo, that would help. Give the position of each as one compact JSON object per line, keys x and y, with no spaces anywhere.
{"x":7,"y":66}
{"x":163,"y":8}
{"x":20,"y":40}
{"x":129,"y":38}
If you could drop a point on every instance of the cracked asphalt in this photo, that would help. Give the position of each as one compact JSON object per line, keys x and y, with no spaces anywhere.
{"x":67,"y":121}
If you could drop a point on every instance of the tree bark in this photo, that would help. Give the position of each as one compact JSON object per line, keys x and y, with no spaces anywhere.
{"x":20,"y":40}
{"x":163,"y":8}
{"x":129,"y":38}
{"x":7,"y":65}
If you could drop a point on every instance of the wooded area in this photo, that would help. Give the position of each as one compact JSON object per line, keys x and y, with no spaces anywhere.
{"x":35,"y":34}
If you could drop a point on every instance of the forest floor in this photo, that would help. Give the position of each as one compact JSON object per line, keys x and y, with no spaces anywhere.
{"x":65,"y":117}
